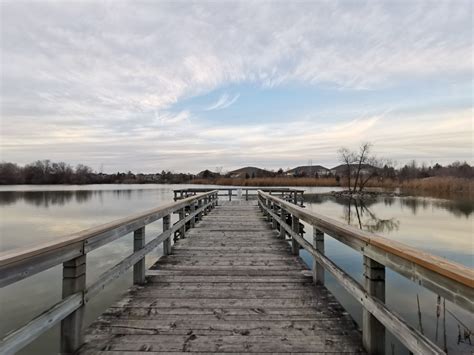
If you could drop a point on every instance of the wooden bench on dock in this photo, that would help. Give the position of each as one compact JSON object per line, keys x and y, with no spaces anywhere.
{"x":232,"y":282}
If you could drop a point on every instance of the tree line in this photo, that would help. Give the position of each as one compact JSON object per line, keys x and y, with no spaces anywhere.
{"x":47,"y":172}
{"x":360,"y":168}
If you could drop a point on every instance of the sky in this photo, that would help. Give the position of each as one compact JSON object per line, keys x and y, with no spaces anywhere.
{"x":186,"y":86}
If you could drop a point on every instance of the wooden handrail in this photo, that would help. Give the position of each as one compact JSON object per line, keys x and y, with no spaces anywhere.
{"x":71,"y":252}
{"x":97,"y":232}
{"x":449,"y":279}
{"x":372,"y":245}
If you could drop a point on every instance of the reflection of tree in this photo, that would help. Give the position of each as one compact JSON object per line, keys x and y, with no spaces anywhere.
{"x":45,"y":198}
{"x":457,"y":207}
{"x":357,"y":213}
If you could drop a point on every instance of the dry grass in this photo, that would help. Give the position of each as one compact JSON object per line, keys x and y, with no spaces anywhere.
{"x":441,"y":186}
{"x":437,"y":186}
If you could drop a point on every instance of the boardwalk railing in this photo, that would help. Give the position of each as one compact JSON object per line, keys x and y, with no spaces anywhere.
{"x":287,"y":193}
{"x":447,"y":279}
{"x":71,"y":251}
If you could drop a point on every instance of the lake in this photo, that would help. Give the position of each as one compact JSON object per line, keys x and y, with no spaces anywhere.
{"x":34,"y":214}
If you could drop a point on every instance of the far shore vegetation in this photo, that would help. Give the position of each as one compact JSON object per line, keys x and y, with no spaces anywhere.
{"x":456,"y":178}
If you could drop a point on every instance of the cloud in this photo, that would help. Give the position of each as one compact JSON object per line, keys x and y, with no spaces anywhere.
{"x":224,"y":101}
{"x":99,"y":82}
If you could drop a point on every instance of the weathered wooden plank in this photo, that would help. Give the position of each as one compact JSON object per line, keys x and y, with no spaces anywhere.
{"x":182,"y":326}
{"x":233,"y":343}
{"x":158,"y":276}
{"x":228,"y":287}
{"x":327,"y":309}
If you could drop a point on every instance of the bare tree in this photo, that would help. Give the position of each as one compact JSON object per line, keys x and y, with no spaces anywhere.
{"x":348,"y":158}
{"x":373,"y":168}
{"x":362,"y":158}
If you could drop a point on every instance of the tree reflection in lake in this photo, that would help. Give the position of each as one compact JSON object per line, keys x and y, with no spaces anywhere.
{"x":359,"y":214}
{"x":58,"y":198}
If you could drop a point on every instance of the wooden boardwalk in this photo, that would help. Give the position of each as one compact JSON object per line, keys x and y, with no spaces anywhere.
{"x":232,"y":286}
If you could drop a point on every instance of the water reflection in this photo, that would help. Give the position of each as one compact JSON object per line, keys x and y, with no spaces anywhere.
{"x":458,"y":207}
{"x":58,"y":198}
{"x":359,"y":214}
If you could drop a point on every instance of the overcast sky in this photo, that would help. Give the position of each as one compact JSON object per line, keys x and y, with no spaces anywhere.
{"x":188,"y":86}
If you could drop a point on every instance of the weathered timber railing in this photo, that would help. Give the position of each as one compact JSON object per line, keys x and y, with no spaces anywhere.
{"x":71,"y":251}
{"x":450,"y":280}
{"x":289,"y":194}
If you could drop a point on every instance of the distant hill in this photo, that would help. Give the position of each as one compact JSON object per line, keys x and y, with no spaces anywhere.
{"x":207,"y":174}
{"x":250,"y":172}
{"x":308,"y":170}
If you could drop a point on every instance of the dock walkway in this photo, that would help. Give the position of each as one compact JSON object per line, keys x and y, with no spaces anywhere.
{"x":231,"y":286}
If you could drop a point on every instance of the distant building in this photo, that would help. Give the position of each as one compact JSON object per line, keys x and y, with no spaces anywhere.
{"x":308,"y":170}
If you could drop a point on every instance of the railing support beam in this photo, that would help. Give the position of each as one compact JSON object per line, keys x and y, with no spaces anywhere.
{"x":74,"y":280}
{"x":373,"y":332}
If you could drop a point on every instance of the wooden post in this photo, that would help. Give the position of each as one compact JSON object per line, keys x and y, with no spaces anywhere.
{"x":192,"y":208}
{"x":269,"y":206}
{"x":373,"y":332}
{"x":182,"y":215}
{"x":204,"y":203}
{"x":167,"y":241}
{"x":318,"y":244}
{"x":74,"y":280}
{"x":295,"y":225}
{"x":139,"y":267}
{"x":216,"y":199}
{"x":283,"y":222}
{"x":246,"y":194}
{"x":295,"y":198}
{"x":274,"y":221}
{"x":198,"y":216}
{"x":230,"y":195}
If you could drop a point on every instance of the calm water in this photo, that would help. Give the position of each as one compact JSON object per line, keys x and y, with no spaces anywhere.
{"x":34,"y":214}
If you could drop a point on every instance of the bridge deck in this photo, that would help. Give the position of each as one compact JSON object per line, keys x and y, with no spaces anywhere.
{"x":231,"y":286}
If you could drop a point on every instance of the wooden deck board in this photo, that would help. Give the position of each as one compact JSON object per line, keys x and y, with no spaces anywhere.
{"x":230,"y":287}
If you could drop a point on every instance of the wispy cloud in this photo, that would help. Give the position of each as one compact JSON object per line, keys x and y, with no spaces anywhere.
{"x":75,"y":91}
{"x":224,"y":101}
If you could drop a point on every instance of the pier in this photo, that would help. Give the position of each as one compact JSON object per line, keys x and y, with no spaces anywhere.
{"x":231,"y":281}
